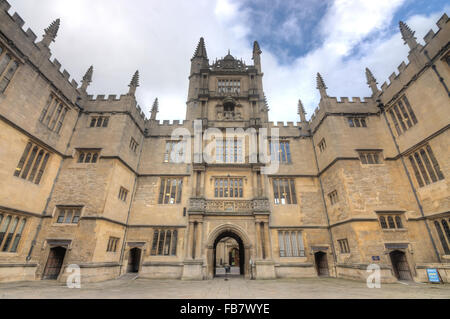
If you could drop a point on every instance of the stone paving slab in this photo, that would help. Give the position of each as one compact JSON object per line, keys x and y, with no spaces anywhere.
{"x":234,"y":288}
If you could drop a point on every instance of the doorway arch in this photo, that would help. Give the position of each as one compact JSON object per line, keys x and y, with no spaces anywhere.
{"x":400,"y":265}
{"x":134,"y":260}
{"x":238,"y":234}
{"x":321,"y":262}
{"x":54,"y":262}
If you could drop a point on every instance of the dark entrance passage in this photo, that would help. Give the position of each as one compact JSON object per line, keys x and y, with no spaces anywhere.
{"x":54,"y":263}
{"x":321,"y":263}
{"x":400,"y":265}
{"x":134,"y":260}
{"x":235,"y":257}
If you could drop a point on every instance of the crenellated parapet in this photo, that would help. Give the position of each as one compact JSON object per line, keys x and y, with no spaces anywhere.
{"x":344,"y":106}
{"x":116,"y":104}
{"x":436,"y":44}
{"x":23,"y":45}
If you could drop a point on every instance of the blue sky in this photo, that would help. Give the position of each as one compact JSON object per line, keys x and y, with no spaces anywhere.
{"x":299,"y":38}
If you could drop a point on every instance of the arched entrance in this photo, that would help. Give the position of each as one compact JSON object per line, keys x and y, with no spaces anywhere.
{"x":134,"y":260}
{"x":236,"y":256}
{"x":321,"y":263}
{"x":54,"y":263}
{"x":400,"y":265}
{"x":243,"y":249}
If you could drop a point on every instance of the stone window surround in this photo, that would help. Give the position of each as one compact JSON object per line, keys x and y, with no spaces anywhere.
{"x":19,"y":224}
{"x":56,"y":212}
{"x":82,"y":150}
{"x":5,"y":49}
{"x":365,"y":152}
{"x":393,"y":214}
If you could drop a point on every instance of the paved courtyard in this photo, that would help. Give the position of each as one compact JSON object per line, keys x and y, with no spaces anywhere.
{"x":235,"y":287}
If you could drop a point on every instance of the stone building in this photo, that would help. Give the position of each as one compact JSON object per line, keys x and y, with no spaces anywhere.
{"x":91,"y":181}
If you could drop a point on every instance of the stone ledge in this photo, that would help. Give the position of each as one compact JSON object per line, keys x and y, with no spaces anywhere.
{"x":17,"y":265}
{"x":303,"y":265}
{"x":98,"y":265}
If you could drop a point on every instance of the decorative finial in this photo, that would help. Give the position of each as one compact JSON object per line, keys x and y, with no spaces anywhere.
{"x":155,"y":109}
{"x":50,"y":33}
{"x":321,"y":86}
{"x":200,"y":51}
{"x":256,"y":48}
{"x":265,"y":108}
{"x":301,"y":111}
{"x":372,"y":82}
{"x":134,"y":83}
{"x":408,"y":35}
{"x":87,"y":78}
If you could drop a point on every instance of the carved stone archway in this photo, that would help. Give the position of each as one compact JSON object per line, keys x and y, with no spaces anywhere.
{"x":228,"y":230}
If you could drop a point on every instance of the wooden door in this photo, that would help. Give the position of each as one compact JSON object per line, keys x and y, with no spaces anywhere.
{"x":400,"y":265}
{"x":54,"y":263}
{"x":134,"y":260}
{"x":321,"y":264}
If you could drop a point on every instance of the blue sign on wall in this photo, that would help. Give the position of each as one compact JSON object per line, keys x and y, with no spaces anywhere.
{"x":433,"y":275}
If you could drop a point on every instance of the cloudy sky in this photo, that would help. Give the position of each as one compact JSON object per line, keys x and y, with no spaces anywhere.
{"x":298,"y":38}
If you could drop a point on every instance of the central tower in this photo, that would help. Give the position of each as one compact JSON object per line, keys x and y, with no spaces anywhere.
{"x":226,"y":93}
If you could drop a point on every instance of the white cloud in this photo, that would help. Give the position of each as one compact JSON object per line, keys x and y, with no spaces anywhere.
{"x":159,"y":38}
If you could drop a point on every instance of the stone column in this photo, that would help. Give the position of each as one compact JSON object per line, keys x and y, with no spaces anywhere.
{"x":255,"y":183}
{"x":263,"y":241}
{"x":258,"y":241}
{"x":194,"y":240}
{"x":189,"y":239}
{"x":198,"y":245}
{"x":202,"y":183}
{"x":267,"y":241}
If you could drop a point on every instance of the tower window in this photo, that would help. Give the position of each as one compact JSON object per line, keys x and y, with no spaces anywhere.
{"x":229,"y":86}
{"x":343,"y":245}
{"x":370,"y":157}
{"x":88,"y":156}
{"x":123,"y":193}
{"x":170,"y":190}
{"x":357,"y":121}
{"x":333,"y":196}
{"x":391,"y":221}
{"x":174,"y":151}
{"x":229,"y":151}
{"x":99,"y":121}
{"x":113,"y":243}
{"x":283,"y":150}
{"x":228,"y":187}
{"x":284,"y":191}
{"x":68,"y":215}
{"x":133,"y":145}
{"x":322,"y":145}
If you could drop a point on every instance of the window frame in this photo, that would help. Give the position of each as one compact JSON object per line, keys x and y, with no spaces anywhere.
{"x":167,"y":190}
{"x":32,"y":163}
{"x":284,"y":186}
{"x":4,"y":51}
{"x":11,"y":235}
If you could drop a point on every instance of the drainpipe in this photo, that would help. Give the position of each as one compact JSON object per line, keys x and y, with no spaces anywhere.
{"x":441,"y":79}
{"x":44,"y":213}
{"x":330,"y":233}
{"x":381,"y":106}
{"x":122,"y":251}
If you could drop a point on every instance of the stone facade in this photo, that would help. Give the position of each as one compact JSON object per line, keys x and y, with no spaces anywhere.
{"x":111,"y":200}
